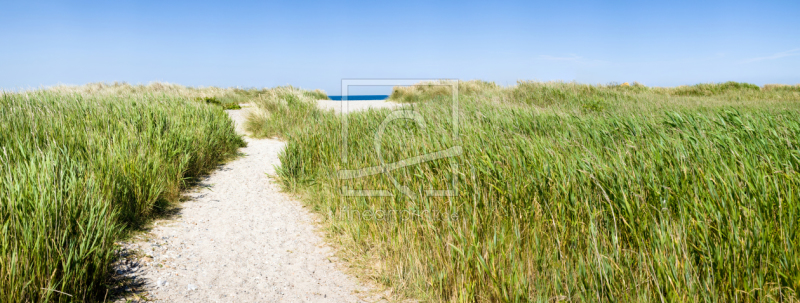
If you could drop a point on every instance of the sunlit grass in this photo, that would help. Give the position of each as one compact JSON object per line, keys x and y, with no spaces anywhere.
{"x":568,"y":192}
{"x":83,"y":165}
{"x":281,"y":109}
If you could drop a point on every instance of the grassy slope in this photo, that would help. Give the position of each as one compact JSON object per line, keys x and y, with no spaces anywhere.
{"x":281,"y":110}
{"x":569,"y":191}
{"x":83,"y":164}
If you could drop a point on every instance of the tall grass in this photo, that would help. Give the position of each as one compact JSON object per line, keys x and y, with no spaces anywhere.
{"x":282,"y":109}
{"x":81,"y":166}
{"x":570,"y":192}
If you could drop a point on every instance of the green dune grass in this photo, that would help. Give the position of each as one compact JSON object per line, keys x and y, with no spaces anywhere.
{"x":281,"y":109}
{"x":565,"y":191}
{"x":82,"y":166}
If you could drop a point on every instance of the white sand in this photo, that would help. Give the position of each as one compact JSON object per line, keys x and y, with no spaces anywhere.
{"x":238,"y":239}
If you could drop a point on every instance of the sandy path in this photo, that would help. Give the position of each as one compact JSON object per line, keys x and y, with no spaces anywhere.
{"x":238,"y":239}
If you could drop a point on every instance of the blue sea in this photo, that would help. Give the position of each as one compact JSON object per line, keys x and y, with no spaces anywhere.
{"x":360,"y":97}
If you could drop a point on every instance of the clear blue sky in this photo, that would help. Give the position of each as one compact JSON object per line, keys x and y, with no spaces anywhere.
{"x":314,"y":45}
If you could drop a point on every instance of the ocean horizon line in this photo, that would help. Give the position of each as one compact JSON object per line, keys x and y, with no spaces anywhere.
{"x":359,"y":97}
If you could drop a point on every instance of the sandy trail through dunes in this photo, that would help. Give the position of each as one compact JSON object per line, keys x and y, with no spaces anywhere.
{"x":239,"y":239}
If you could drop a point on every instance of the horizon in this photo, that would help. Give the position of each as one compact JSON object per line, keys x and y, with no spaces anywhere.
{"x":363,"y":91}
{"x":315,"y":45}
